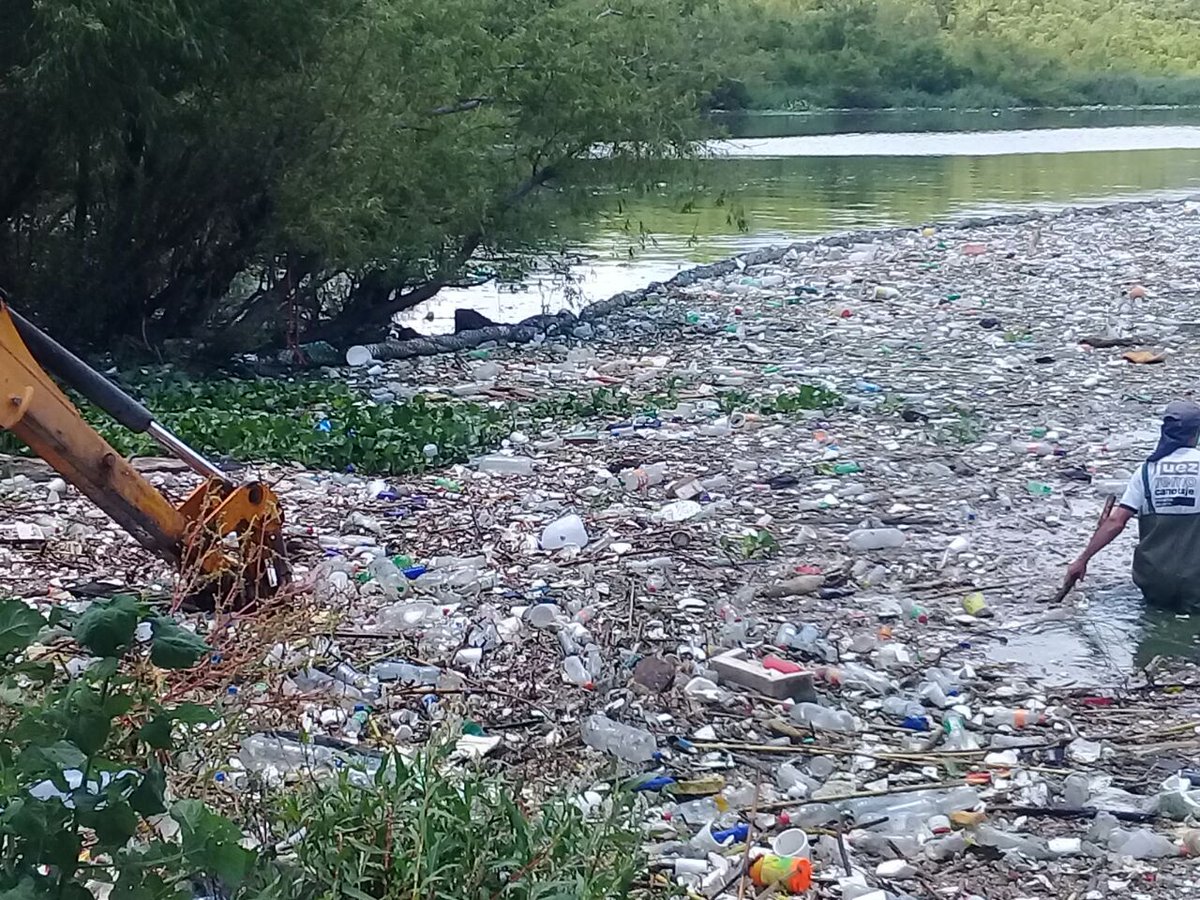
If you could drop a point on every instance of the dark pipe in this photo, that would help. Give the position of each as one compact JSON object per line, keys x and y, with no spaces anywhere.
{"x":82,"y":377}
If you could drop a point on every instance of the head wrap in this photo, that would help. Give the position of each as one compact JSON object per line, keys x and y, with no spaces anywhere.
{"x":1180,"y":427}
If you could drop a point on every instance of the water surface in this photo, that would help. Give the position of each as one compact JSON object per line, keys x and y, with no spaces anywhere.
{"x":779,"y":178}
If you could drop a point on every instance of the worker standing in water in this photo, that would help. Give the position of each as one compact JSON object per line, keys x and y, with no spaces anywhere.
{"x":1164,"y":493}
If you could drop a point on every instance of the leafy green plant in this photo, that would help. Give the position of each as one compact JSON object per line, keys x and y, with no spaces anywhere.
{"x":80,"y":772}
{"x":429,"y":829}
{"x":804,"y":397}
{"x":324,"y":424}
{"x":757,"y":544}
{"x":967,"y":428}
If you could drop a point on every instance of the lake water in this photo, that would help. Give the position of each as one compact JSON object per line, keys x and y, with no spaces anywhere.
{"x":778,"y":178}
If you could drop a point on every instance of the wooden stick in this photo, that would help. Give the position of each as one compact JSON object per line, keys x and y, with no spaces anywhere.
{"x":1072,"y":581}
{"x":859,"y":795}
{"x":1085,"y":812}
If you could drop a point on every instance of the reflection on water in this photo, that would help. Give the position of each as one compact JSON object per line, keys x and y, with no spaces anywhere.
{"x":998,"y":143}
{"x":890,"y":121}
{"x":712,"y":208}
{"x":1100,"y":645}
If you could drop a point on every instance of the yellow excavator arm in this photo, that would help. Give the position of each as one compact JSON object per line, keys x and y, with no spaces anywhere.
{"x":226,"y":539}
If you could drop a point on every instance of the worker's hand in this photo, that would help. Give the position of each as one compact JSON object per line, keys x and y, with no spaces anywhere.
{"x":1076,"y":571}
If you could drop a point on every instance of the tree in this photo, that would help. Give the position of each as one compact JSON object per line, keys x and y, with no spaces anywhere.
{"x":251,"y":171}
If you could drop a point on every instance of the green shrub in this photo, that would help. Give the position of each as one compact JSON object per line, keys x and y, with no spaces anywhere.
{"x":80,"y":772}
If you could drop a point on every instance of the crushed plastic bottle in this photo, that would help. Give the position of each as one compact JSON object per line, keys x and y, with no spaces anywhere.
{"x":1142,"y":844}
{"x":499,"y":464}
{"x":407,"y":673}
{"x":824,"y":718}
{"x":865,"y":540}
{"x":642,"y":477}
{"x":622,"y":741}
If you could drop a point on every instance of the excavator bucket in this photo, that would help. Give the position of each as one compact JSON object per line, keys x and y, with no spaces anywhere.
{"x":226,"y":539}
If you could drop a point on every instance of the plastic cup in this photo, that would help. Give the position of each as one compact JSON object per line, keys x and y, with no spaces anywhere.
{"x":792,"y":843}
{"x":358,"y":355}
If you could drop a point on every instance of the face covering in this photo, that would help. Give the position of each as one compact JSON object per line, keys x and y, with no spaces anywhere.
{"x":1181,"y":425}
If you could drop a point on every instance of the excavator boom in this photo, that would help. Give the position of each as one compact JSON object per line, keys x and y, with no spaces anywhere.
{"x":195,"y":535}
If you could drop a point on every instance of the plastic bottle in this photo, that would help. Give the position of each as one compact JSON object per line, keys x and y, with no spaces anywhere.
{"x":899,"y":708}
{"x":805,"y":638}
{"x":315,"y":681}
{"x":1076,"y":790}
{"x":595,"y":662}
{"x":1015,"y":718}
{"x":643,"y":476}
{"x":1027,"y":845}
{"x":357,"y":722}
{"x":946,"y":848}
{"x":567,"y":531}
{"x":700,"y":811}
{"x":408,"y":673}
{"x":853,"y":675}
{"x":1038,"y":448}
{"x":390,"y":579}
{"x":957,"y":736}
{"x":576,"y":671}
{"x":793,"y":782}
{"x":824,"y":718}
{"x":275,"y":757}
{"x":505,"y":465}
{"x":811,"y":815}
{"x":921,"y":804}
{"x":622,"y":741}
{"x":402,"y":617}
{"x":864,"y":540}
{"x":1142,"y":844}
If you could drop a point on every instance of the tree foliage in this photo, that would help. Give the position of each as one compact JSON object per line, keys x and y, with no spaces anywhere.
{"x":872,"y":53}
{"x":261,"y":170}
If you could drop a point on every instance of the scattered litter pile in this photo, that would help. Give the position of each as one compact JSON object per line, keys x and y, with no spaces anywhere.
{"x":782,"y":593}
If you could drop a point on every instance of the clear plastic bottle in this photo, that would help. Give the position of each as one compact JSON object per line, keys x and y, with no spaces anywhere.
{"x":786,"y":634}
{"x":408,"y":673}
{"x":900,"y":708}
{"x":357,"y":723}
{"x":390,"y":579}
{"x":576,"y":671}
{"x":811,"y":815}
{"x":499,"y":464}
{"x":623,"y":741}
{"x":957,"y":736}
{"x":946,"y":848}
{"x":853,"y":675}
{"x":920,"y":804}
{"x":864,"y":540}
{"x":1025,"y":844}
{"x":643,"y":476}
{"x":824,"y":718}
{"x":406,"y":617}
{"x":1142,"y":843}
{"x":1077,"y":788}
{"x":315,"y":681}
{"x":1015,"y":718}
{"x":698,"y":812}
{"x":595,"y":662}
